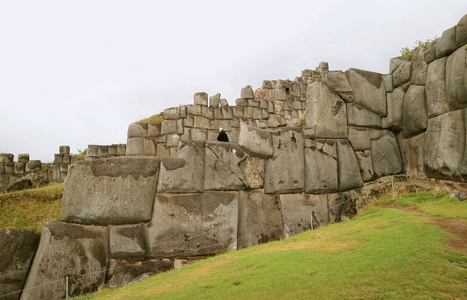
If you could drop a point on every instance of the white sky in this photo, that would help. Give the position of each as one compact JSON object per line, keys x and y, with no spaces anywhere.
{"x":79,"y":72}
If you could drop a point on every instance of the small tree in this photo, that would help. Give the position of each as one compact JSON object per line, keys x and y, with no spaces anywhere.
{"x":407,"y":52}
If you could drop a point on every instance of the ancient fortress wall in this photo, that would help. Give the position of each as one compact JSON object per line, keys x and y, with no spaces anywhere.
{"x":179,"y":193}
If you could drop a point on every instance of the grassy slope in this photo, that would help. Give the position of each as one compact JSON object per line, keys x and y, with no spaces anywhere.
{"x":30,"y":209}
{"x":384,"y":254}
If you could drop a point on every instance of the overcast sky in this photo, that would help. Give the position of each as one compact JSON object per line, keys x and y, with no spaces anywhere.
{"x":79,"y":72}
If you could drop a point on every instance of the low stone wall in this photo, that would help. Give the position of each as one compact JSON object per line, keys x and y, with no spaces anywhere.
{"x":105,"y":151}
{"x":11,"y":171}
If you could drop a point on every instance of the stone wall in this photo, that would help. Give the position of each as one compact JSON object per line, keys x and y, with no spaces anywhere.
{"x":105,"y":151}
{"x":61,"y":162}
{"x":11,"y":171}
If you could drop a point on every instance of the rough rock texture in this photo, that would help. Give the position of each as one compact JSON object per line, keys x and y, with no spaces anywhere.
{"x":135,"y":146}
{"x":321,"y":166}
{"x":419,"y":67}
{"x":285,"y":170}
{"x":447,"y":43}
{"x":347,"y":167}
{"x":259,"y":218}
{"x":412,"y":152}
{"x":222,"y":169}
{"x":200,"y":98}
{"x":395,"y":101}
{"x":325,"y":112}
{"x":368,"y":90}
{"x":256,"y":142}
{"x":365,"y":164}
{"x":77,"y":251}
{"x":395,"y":62}
{"x":184,"y":173}
{"x":193,"y":224}
{"x":116,"y":190}
{"x":414,"y":111}
{"x":359,"y":138}
{"x":253,"y":172}
{"x":461,"y":31}
{"x":17,"y":248}
{"x":436,"y":95}
{"x":385,"y":154}
{"x":126,"y":241}
{"x":360,"y":116}
{"x":338,"y":83}
{"x":402,"y":74}
{"x":456,"y":78}
{"x":137,"y":130}
{"x":298,"y":209}
{"x":342,"y":206}
{"x":123,"y":272}
{"x":445,"y":146}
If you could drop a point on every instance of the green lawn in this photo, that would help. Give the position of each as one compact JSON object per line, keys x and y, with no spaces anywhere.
{"x":386,"y":253}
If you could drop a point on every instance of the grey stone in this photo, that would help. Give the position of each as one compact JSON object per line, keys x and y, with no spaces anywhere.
{"x":461,"y":32}
{"x":67,"y":250}
{"x":241,"y":102}
{"x":23,"y":158}
{"x":169,"y":126}
{"x":201,"y":122}
{"x":253,"y":172}
{"x":207,"y":112}
{"x":215,"y":100}
{"x":189,"y":121}
{"x":387,"y":81}
{"x":385,"y":154}
{"x":259,"y":219}
{"x":402,"y":74}
{"x":325,"y":112}
{"x":298,"y":209}
{"x":4,"y":180}
{"x":180,"y":127}
{"x":19,"y":168}
{"x":9,"y":168}
{"x":285,"y":170}
{"x":162,"y":150}
{"x":33,"y":166}
{"x":447,"y":43}
{"x":184,"y":173}
{"x":126,"y":241}
{"x":172,"y":140}
{"x":395,"y":102}
{"x":183,"y":111}
{"x":224,"y":103}
{"x":338,"y":83}
{"x":271,"y":108}
{"x":92,"y":150}
{"x":198,"y":134}
{"x":218,"y":113}
{"x":247,"y":92}
{"x":278,"y":94}
{"x":264,"y":104}
{"x":112,"y":150}
{"x":253,"y":103}
{"x":321,"y":167}
{"x":137,"y":130}
{"x":419,"y":67}
{"x":368,"y":90}
{"x":227,"y":112}
{"x":135,"y":146}
{"x":172,"y":113}
{"x":2,"y":168}
{"x":435,"y":88}
{"x":342,"y":206}
{"x":125,"y":272}
{"x":64,"y":149}
{"x":6,"y":157}
{"x":221,"y":167}
{"x":445,"y":144}
{"x":255,"y":141}
{"x":365,"y":164}
{"x":414,"y":111}
{"x":17,"y":249}
{"x":347,"y":167}
{"x":237,"y":111}
{"x":360,"y":116}
{"x":395,"y":62}
{"x":117,"y":190}
{"x":193,"y":224}
{"x":102,"y":151}
{"x":194,"y":110}
{"x":412,"y":152}
{"x":257,"y":113}
{"x":201,"y":98}
{"x":430,"y":52}
{"x":248,"y":112}
{"x":359,"y":138}
{"x":456,"y":78}
{"x":121,"y":149}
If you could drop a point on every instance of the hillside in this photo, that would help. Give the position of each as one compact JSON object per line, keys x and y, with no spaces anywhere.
{"x":414,"y":247}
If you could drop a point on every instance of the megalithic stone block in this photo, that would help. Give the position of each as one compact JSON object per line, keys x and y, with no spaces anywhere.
{"x":201,"y":98}
{"x":6,"y":157}
{"x":402,"y":74}
{"x":126,"y":241}
{"x":412,"y":152}
{"x":247,"y":92}
{"x":172,"y":113}
{"x":365,"y":164}
{"x":435,"y":88}
{"x":360,"y":116}
{"x":215,"y":100}
{"x":33,"y":166}
{"x":461,"y":31}
{"x":137,"y":130}
{"x":321,"y":167}
{"x":395,"y":102}
{"x":347,"y":167}
{"x":23,"y":158}
{"x":456,"y":78}
{"x":118,"y":190}
{"x":414,"y":111}
{"x":341,"y":206}
{"x":359,"y":138}
{"x":447,"y":43}
{"x":255,"y":141}
{"x":64,"y":150}
{"x":385,"y":154}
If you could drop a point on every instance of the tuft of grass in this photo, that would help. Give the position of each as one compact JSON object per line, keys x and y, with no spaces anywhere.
{"x":153,"y":119}
{"x":30,"y":209}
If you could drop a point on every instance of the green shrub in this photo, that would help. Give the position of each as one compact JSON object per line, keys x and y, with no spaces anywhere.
{"x":153,"y":119}
{"x":408,"y":52}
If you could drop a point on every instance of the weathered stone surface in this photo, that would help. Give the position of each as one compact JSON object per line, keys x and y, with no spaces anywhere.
{"x":435,"y":88}
{"x":172,"y":140}
{"x":365,"y":164}
{"x":64,"y":149}
{"x":224,"y":103}
{"x":325,"y":112}
{"x":419,"y":67}
{"x":359,"y":138}
{"x":395,"y":102}
{"x":342,"y":206}
{"x":385,"y":154}
{"x":447,"y":43}
{"x":461,"y":32}
{"x":17,"y":248}
{"x":445,"y":146}
{"x":19,"y":168}
{"x":412,"y":152}
{"x":137,"y":130}
{"x":347,"y":167}
{"x":456,"y":78}
{"x":321,"y":167}
{"x":201,"y":98}
{"x":253,"y":168}
{"x":6,"y":157}
{"x":414,"y":111}
{"x":67,"y":250}
{"x":359,"y":116}
{"x":172,"y":113}
{"x":118,"y":190}
{"x":207,"y":112}
{"x":183,"y":111}
{"x":395,"y":62}
{"x":298,"y":209}
{"x":402,"y":74}
{"x":285,"y":170}
{"x":430,"y":51}
{"x":241,"y":102}
{"x":256,"y":142}
{"x":368,"y":90}
{"x":126,"y":241}
{"x":193,"y":224}
{"x":338,"y":82}
{"x":253,"y":103}
{"x":278,"y":94}
{"x":247,"y":92}
{"x":194,"y":110}
{"x":259,"y":218}
{"x":135,"y":146}
{"x":124,"y":272}
{"x":169,"y":126}
{"x":222,"y":167}
{"x":201,"y":122}
{"x":23,"y":158}
{"x":198,"y":134}
{"x":387,"y":81}
{"x":33,"y":166}
{"x":215,"y":100}
{"x":184,"y":173}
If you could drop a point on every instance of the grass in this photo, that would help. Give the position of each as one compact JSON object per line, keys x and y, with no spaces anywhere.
{"x":385,"y":253}
{"x":153,"y":119}
{"x":30,"y":209}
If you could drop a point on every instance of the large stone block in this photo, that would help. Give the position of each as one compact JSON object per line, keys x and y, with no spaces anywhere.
{"x":338,"y":83}
{"x":395,"y":62}
{"x":419,"y":67}
{"x":201,"y":122}
{"x":135,"y":146}
{"x":259,"y":219}
{"x":299,"y":209}
{"x":342,"y":206}
{"x":360,"y":116}
{"x":247,"y":92}
{"x":80,"y":252}
{"x":253,"y":169}
{"x":126,"y":241}
{"x":222,"y":167}
{"x":184,"y":173}
{"x":414,"y":111}
{"x":456,"y":78}
{"x":412,"y":152}
{"x":172,"y":113}
{"x":137,"y":130}
{"x":17,"y":249}
{"x":365,"y":164}
{"x":325,"y":112}
{"x":402,"y":74}
{"x":395,"y":102}
{"x":214,"y":100}
{"x":321,"y":167}
{"x":23,"y":158}
{"x":33,"y":166}
{"x":154,"y":130}
{"x":4,"y":180}
{"x":461,"y":31}
{"x":201,"y":98}
{"x":64,"y":149}
{"x":347,"y":167}
{"x":447,"y":43}
{"x":385,"y":154}
{"x":359,"y":138}
{"x":193,"y":224}
{"x":256,"y":142}
{"x":285,"y":170}
{"x":445,"y":146}
{"x":118,"y":190}
{"x":169,"y":126}
{"x":435,"y":88}
{"x":368,"y":89}
{"x":6,"y":157}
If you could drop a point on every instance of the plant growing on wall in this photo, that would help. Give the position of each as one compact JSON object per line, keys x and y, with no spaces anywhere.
{"x":408,"y":52}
